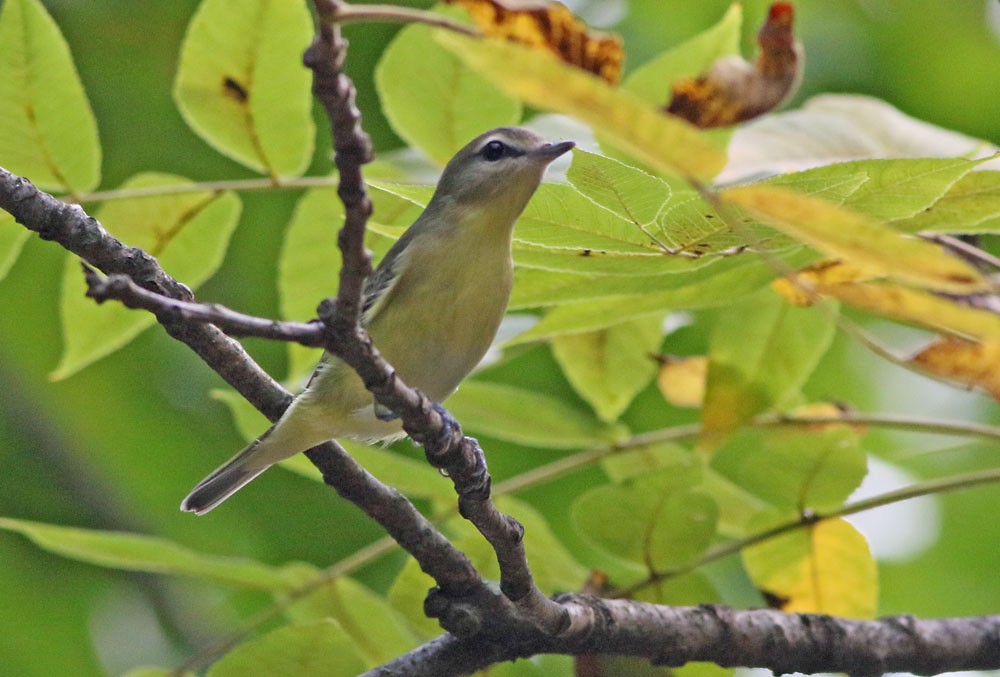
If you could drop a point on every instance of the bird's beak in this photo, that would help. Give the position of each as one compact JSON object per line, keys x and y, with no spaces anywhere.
{"x":551,"y":151}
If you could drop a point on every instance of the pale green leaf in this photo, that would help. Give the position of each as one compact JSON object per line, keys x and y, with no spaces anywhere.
{"x":317,"y":649}
{"x":434,"y":101}
{"x":12,"y":239}
{"x":407,"y":594}
{"x":528,"y":417}
{"x":47,"y":129}
{"x":626,"y":191}
{"x":609,"y":367}
{"x":379,"y":633}
{"x":150,"y":671}
{"x":651,"y":81}
{"x":655,"y":520}
{"x":138,"y":552}
{"x":187,"y":232}
{"x":760,"y":355}
{"x":795,"y":469}
{"x":241,"y":84}
{"x":884,"y":189}
{"x":248,"y":421}
{"x":639,"y":461}
{"x":659,"y":141}
{"x":844,"y":233}
{"x":576,"y":314}
{"x":971,"y":206}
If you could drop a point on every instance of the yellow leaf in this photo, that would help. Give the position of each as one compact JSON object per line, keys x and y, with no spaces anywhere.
{"x":826,"y":568}
{"x":918,"y":307}
{"x":551,"y":26}
{"x":859,"y":239}
{"x":682,"y":380}
{"x":662,"y":142}
{"x":802,"y":287}
{"x":973,"y":364}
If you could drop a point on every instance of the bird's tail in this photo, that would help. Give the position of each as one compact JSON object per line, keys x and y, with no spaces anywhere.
{"x":226,"y":480}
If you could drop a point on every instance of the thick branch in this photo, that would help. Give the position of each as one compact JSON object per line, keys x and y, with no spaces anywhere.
{"x":784,"y":643}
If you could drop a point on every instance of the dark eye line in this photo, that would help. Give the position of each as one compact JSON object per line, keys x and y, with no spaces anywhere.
{"x":495,"y":149}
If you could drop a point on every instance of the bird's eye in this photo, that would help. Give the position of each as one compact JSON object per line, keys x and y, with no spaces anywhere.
{"x":494,"y":150}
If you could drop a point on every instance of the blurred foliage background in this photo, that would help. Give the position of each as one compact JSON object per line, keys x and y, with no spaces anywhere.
{"x":117,"y":445}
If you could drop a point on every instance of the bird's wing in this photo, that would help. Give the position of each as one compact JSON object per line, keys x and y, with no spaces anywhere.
{"x":380,"y":284}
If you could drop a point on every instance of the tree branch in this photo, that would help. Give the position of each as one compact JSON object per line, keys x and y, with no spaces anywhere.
{"x":764,"y":638}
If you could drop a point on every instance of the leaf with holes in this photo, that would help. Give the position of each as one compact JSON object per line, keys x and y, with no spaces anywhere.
{"x":241,"y":86}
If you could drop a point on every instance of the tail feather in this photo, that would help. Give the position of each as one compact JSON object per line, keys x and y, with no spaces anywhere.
{"x":224,"y":482}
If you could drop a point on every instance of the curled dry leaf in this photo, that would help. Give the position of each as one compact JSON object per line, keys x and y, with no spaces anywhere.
{"x":551,"y":26}
{"x":971,"y":363}
{"x":734,"y":90}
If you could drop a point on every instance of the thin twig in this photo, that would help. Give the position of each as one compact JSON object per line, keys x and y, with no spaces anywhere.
{"x":352,"y":13}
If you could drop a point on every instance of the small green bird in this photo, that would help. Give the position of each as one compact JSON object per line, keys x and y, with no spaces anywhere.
{"x":432,"y":306}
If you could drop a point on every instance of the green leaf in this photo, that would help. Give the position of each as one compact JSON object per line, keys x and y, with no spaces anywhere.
{"x":660,"y":141}
{"x":47,"y":129}
{"x":651,"y":81}
{"x":318,"y":649}
{"x":609,"y":367}
{"x":150,"y":671}
{"x":971,"y":206}
{"x":843,"y":233}
{"x":626,"y":191}
{"x":434,"y":101}
{"x":137,"y":552}
{"x":241,"y":84}
{"x":574,"y":314}
{"x":528,"y":417}
{"x":795,"y":469}
{"x":883,"y":189}
{"x":654,"y":520}
{"x":378,"y":632}
{"x":187,"y":232}
{"x":640,"y":461}
{"x":12,"y":239}
{"x":760,"y":354}
{"x":248,"y":421}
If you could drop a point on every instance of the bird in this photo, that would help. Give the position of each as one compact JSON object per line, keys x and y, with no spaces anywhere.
{"x":432,"y":307}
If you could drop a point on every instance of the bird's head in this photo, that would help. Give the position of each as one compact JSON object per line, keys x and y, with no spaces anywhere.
{"x":498,"y":171}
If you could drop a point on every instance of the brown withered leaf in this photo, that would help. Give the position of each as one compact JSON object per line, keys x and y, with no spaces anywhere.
{"x":551,"y":26}
{"x":734,"y":90}
{"x":974,"y":364}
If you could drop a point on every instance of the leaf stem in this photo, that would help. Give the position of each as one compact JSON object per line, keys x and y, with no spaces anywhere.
{"x":213,"y":186}
{"x":351,"y":13}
